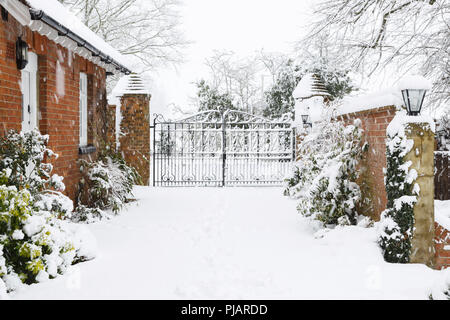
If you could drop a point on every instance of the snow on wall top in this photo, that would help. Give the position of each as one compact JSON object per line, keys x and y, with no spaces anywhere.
{"x":309,"y":86}
{"x":371,"y":101}
{"x":414,"y":82}
{"x":390,"y":97}
{"x":62,"y":15}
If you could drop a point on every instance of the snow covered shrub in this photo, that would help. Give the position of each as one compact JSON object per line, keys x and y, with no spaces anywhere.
{"x":443,"y":133}
{"x":291,"y":181}
{"x":107,"y":184}
{"x":326,"y":174}
{"x":397,"y":221}
{"x":22,"y":159}
{"x":84,"y":214}
{"x":35,"y":244}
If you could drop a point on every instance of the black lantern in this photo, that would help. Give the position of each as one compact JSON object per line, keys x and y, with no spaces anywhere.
{"x":21,"y":54}
{"x":305,"y":119}
{"x":413,"y":99}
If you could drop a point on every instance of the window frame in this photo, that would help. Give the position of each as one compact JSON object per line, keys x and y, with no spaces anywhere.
{"x":83,"y":106}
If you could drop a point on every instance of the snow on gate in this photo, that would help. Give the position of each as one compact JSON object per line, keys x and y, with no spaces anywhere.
{"x":215,"y":148}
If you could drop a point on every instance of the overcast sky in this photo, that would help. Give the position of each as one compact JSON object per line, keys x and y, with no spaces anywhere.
{"x":243,"y":26}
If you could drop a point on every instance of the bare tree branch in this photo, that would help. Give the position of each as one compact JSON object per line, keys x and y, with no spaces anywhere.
{"x":148,"y":30}
{"x":374,"y":34}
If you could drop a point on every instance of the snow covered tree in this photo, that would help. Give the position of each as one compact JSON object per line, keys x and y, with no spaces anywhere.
{"x":279,"y":99}
{"x":396,"y":34}
{"x":148,"y":30}
{"x":209,"y":98}
{"x":237,"y":78}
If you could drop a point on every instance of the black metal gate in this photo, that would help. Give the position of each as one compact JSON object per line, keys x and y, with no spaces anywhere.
{"x":442,"y":175}
{"x":221,"y":149}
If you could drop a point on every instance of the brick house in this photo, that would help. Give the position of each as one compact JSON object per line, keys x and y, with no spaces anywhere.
{"x":61,"y":90}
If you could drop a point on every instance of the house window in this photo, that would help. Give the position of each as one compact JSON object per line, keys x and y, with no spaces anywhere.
{"x":83,"y":110}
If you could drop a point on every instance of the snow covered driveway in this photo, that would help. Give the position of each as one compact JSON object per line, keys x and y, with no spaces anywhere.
{"x":230,"y":243}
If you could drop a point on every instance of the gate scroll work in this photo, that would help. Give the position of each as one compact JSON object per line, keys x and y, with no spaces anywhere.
{"x":218,"y":149}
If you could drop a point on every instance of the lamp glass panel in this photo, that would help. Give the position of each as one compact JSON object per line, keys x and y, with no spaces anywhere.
{"x":415,"y":99}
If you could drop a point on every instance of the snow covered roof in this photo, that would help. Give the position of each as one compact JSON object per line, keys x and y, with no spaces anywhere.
{"x":53,"y":20}
{"x":129,"y":84}
{"x":310,"y":86}
{"x":132,"y":84}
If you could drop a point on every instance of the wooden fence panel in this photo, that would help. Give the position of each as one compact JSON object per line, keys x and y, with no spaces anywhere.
{"x":442,"y":176}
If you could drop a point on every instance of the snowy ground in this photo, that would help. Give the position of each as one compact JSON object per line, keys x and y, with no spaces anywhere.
{"x":236,"y":243}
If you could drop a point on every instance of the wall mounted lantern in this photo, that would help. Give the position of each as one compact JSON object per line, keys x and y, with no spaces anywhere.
{"x":21,"y":54}
{"x":305,"y":119}
{"x":4,"y":13}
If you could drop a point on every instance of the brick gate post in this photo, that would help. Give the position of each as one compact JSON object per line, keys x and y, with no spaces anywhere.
{"x":134,"y":139}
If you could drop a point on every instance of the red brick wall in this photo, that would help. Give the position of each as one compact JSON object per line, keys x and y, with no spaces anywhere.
{"x":58,"y":114}
{"x":442,"y":241}
{"x":374,"y":123}
{"x":10,"y":77}
{"x":135,"y":133}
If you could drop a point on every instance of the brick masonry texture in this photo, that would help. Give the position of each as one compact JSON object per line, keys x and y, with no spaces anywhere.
{"x":135,"y":133}
{"x":374,"y":124}
{"x":442,"y":241}
{"x":58,"y":114}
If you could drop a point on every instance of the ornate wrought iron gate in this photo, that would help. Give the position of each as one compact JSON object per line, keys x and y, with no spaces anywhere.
{"x":221,"y":149}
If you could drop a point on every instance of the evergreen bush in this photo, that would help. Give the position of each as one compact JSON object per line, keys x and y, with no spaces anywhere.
{"x":22,"y":158}
{"x":324,"y":180}
{"x":35,"y":243}
{"x":397,"y":221}
{"x":107,"y":185}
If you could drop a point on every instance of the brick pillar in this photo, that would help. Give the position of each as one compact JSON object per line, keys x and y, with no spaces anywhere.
{"x":134,"y":140}
{"x":422,"y":158}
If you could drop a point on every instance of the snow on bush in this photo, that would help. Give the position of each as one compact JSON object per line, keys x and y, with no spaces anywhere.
{"x":22,"y":159}
{"x":444,"y":132}
{"x":441,"y":289}
{"x":35,"y":243}
{"x":324,"y":179}
{"x":107,"y":185}
{"x":397,"y":221}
